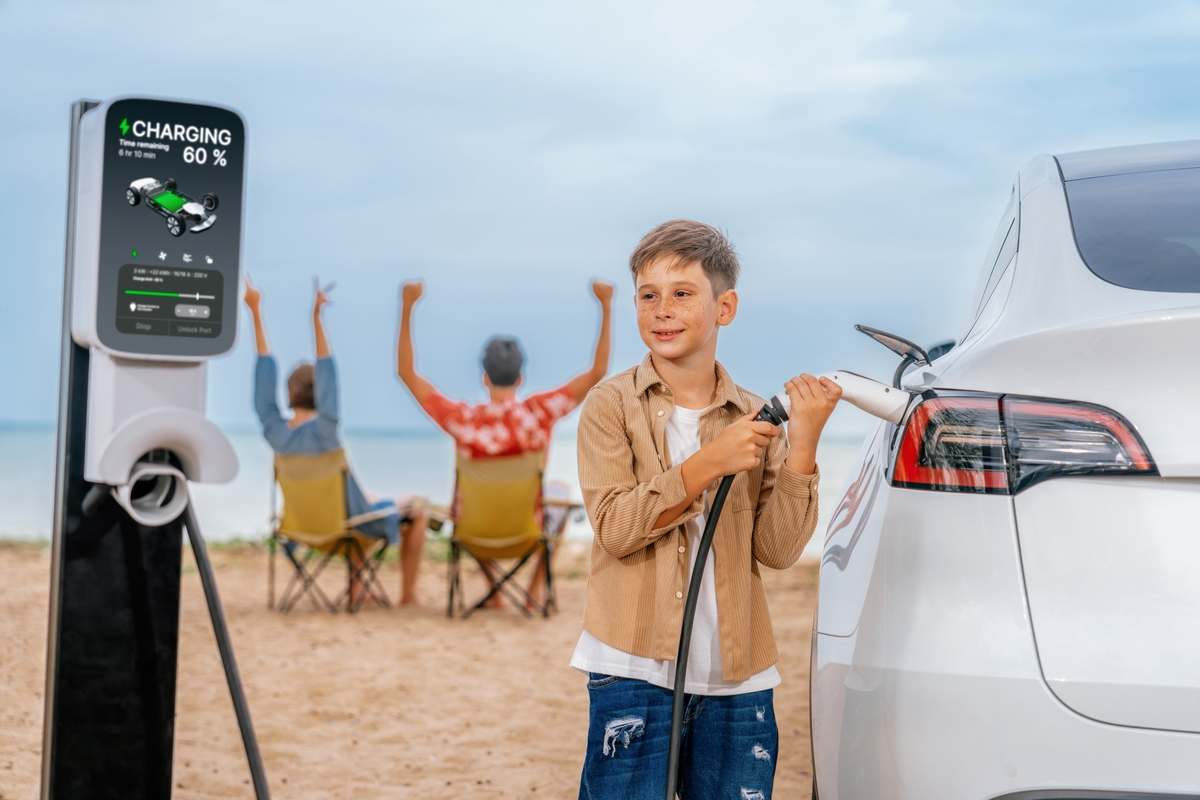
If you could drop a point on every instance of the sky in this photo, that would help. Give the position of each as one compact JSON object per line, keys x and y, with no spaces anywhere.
{"x":857,"y":153}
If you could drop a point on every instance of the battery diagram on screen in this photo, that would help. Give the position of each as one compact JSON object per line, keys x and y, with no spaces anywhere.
{"x":181,"y":212}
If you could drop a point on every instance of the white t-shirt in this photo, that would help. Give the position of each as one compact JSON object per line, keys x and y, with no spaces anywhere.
{"x":704,"y":674}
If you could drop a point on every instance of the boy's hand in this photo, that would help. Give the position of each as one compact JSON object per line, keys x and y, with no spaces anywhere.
{"x":411,"y":292}
{"x":812,"y":401}
{"x":253,"y":296}
{"x":603,"y":292}
{"x":737,"y":448}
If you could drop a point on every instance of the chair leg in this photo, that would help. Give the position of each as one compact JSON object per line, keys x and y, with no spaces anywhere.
{"x":285,"y":598}
{"x":313,"y":589}
{"x":462,"y":595}
{"x":459,"y":592}
{"x":549,"y":600}
{"x":321,"y":566}
{"x":505,"y":585}
{"x":349,"y":549}
{"x":365,"y":574}
{"x":501,"y":585}
{"x":372,"y":584}
{"x":451,"y":579}
{"x":304,"y":582}
{"x":271,"y":542}
{"x":346,"y":596}
{"x":290,"y":592}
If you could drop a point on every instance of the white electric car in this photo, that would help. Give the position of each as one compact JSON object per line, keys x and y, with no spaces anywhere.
{"x":1010,"y":589}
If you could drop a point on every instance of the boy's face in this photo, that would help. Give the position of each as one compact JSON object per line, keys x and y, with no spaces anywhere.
{"x":678,"y":316}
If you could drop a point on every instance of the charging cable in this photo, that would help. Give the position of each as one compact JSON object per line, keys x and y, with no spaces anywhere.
{"x":774,"y":412}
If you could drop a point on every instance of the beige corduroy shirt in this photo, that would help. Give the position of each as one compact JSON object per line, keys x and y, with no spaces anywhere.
{"x":639,"y":573}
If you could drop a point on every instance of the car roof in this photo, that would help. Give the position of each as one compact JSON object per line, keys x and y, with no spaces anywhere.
{"x":1134,"y":158}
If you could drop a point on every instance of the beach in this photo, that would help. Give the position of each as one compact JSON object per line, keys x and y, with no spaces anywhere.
{"x":382,"y":704}
{"x":388,"y":463}
{"x":387,"y":703}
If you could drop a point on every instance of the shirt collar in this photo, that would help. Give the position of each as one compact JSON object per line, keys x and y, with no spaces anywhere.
{"x":646,"y":376}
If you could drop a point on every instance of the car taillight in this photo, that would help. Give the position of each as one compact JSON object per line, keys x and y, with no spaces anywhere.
{"x":954,"y":444}
{"x":1003,"y":444}
{"x":1051,"y":438}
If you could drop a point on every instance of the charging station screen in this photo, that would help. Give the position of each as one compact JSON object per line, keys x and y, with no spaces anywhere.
{"x":170,"y":233}
{"x":168,"y":301}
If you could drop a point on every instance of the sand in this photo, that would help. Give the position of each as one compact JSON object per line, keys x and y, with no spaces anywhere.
{"x":383,"y":704}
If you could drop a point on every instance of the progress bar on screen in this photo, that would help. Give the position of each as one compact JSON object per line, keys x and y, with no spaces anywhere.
{"x":181,"y":295}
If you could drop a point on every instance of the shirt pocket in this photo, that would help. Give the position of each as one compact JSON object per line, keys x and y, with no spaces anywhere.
{"x":743,"y":494}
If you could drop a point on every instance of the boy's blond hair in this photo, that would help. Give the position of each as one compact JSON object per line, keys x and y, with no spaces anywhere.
{"x":686,"y":241}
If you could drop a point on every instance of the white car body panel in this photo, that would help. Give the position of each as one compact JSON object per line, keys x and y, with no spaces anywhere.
{"x":851,"y":543}
{"x":939,"y":694}
{"x":1141,"y":666}
{"x":986,"y":646}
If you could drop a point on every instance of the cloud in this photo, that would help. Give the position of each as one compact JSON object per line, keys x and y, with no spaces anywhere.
{"x":857,"y":152}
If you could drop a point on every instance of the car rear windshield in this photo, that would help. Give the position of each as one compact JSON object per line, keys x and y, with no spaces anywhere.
{"x":1141,"y":230}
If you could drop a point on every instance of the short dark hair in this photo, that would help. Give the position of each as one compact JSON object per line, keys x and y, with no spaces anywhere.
{"x":300,"y":383}
{"x":688,"y":240}
{"x":503,"y":360}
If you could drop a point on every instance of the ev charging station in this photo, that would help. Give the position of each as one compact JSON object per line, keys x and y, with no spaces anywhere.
{"x":153,"y":244}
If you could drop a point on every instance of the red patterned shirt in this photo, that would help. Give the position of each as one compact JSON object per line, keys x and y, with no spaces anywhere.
{"x":500,"y":429}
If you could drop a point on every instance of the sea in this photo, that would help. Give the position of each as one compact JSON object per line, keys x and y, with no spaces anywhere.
{"x":388,"y":463}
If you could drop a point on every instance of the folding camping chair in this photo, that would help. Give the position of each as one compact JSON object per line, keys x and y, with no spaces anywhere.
{"x":314,"y":529}
{"x":497,"y":517}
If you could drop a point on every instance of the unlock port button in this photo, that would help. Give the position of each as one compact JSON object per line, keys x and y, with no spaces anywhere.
{"x":192,"y":311}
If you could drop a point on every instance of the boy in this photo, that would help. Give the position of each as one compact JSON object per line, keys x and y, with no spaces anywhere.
{"x":653,"y":441}
{"x":313,"y":428}
{"x":505,"y":425}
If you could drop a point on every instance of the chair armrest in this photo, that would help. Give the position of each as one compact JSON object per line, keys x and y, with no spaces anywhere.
{"x":561,"y":502}
{"x":567,"y":508}
{"x":438,"y":517}
{"x":369,"y":516}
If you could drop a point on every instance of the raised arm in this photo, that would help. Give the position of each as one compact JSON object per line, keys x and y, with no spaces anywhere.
{"x":422,"y":390}
{"x":320,"y":299}
{"x":325,"y":387}
{"x":578,"y":386}
{"x":253,"y":298}
{"x":266,"y":378}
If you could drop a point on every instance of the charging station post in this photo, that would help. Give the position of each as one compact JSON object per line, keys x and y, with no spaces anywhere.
{"x":153,"y":246}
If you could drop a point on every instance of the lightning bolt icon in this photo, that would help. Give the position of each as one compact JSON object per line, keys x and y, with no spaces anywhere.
{"x":124,"y":127}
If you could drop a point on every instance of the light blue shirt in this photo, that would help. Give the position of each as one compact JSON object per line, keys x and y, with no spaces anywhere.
{"x":317,"y":435}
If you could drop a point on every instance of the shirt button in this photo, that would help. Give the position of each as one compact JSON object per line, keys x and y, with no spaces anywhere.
{"x":679,"y":595}
{"x":661,"y":412}
{"x":682,"y":549}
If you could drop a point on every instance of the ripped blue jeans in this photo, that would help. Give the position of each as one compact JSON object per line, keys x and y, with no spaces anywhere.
{"x":730,"y":744}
